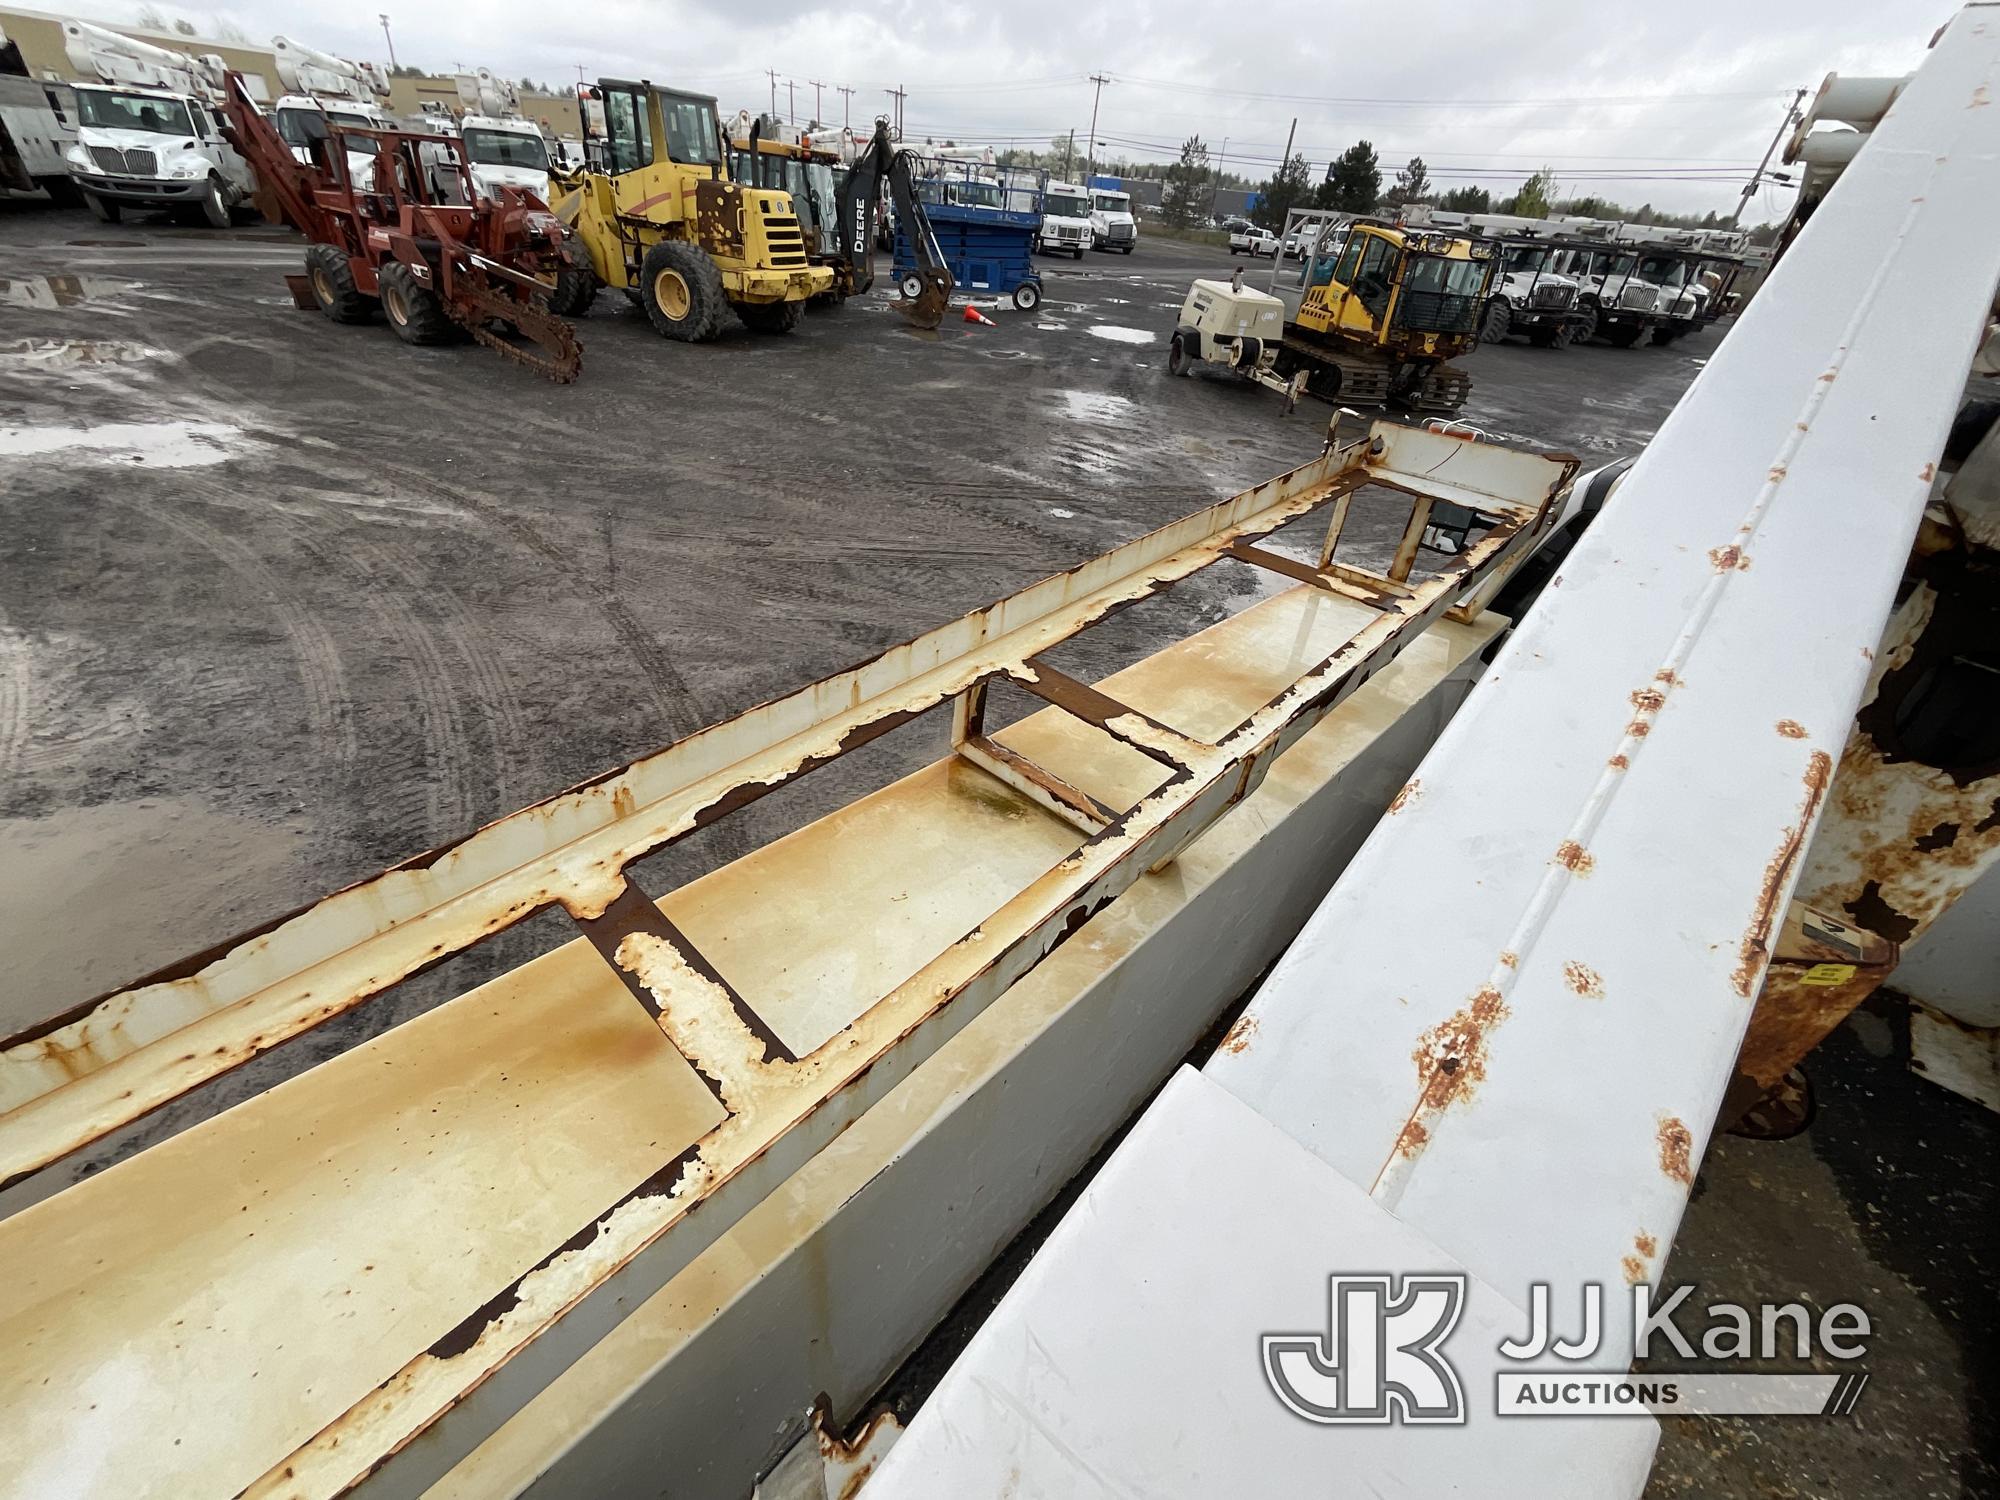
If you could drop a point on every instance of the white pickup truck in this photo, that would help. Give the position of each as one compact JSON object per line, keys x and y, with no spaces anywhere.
{"x":1246,"y":238}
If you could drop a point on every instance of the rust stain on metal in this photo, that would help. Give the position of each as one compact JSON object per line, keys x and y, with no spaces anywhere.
{"x":1666,"y":677}
{"x":1510,"y":958}
{"x":1634,"y":1269}
{"x":1777,"y":473}
{"x":1645,"y":1244}
{"x":1927,"y":473}
{"x":1791,"y":729}
{"x":1451,"y":1056}
{"x":1639,"y":728}
{"x":1648,"y":700}
{"x":1412,"y":1138}
{"x":1755,"y":948}
{"x":1980,"y":98}
{"x":1584,"y":980}
{"x":1731,"y":557}
{"x":1619,"y":763}
{"x":1676,"y":1150}
{"x":1238,"y":1039}
{"x":1405,"y":795}
{"x":1575,"y":858}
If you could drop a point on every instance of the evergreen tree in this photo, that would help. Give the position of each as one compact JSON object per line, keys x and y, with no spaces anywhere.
{"x":1413,"y":184}
{"x":1532,"y":202}
{"x":1288,"y":187}
{"x":1353,"y":181}
{"x":1186,"y":192}
{"x":1467,"y":200}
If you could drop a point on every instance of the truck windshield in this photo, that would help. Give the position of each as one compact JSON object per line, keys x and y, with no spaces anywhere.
{"x":145,"y":112}
{"x":1433,"y":273}
{"x":976,"y":194}
{"x":1527,"y":257}
{"x":1067,"y":205}
{"x":507,"y":148}
{"x":1112,"y":203}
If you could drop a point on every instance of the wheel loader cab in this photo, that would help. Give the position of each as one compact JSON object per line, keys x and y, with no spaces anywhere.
{"x":1388,"y":285}
{"x":655,"y":140}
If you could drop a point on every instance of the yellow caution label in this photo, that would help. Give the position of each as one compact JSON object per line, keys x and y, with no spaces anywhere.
{"x":1827,"y":974}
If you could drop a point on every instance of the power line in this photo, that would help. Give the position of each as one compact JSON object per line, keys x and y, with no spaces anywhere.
{"x":1602,"y":99}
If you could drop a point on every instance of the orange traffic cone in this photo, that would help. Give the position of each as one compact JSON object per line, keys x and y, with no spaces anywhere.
{"x":974,"y":315}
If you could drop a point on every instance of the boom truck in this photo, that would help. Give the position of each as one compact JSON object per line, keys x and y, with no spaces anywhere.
{"x":147,"y":132}
{"x":503,"y":145}
{"x":37,"y":128}
{"x":345,"y":95}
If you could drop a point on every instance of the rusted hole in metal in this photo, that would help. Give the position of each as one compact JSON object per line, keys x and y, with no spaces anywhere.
{"x":1940,"y":706}
{"x":1872,"y":911}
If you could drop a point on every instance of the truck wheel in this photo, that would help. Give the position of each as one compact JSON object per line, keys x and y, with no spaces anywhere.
{"x":1127,"y":249}
{"x":576,"y":289}
{"x":1028,"y":296}
{"x":104,"y":208}
{"x":682,"y":291}
{"x":1624,"y":338}
{"x":333,"y":286}
{"x":770,"y":317}
{"x":1663,"y":337}
{"x":413,"y":311}
{"x":1179,"y":361}
{"x":1557,"y":337}
{"x":1077,"y":253}
{"x":911,"y":286}
{"x":1497,"y":322}
{"x":1583,"y":327}
{"x":215,"y":204}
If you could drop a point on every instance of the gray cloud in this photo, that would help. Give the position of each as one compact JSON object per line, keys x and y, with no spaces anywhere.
{"x":1668,"y":103}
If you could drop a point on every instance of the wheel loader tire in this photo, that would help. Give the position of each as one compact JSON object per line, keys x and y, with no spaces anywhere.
{"x":1497,"y":322}
{"x":106,"y":211}
{"x":333,"y":286}
{"x":682,"y":291}
{"x":214,"y":204}
{"x":576,"y":289}
{"x":413,"y":311}
{"x":770,"y":317}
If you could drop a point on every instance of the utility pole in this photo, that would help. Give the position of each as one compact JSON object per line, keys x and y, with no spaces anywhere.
{"x":846,"y":99}
{"x":772,"y":74}
{"x":389,"y":39}
{"x":1215,"y":186}
{"x":817,"y":86}
{"x":791,"y":104}
{"x":1069,"y":153}
{"x":898,"y":94}
{"x":1750,"y":187}
{"x":1090,"y":162}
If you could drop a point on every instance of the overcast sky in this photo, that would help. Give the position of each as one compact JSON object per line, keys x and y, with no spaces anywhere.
{"x":1642,"y":103}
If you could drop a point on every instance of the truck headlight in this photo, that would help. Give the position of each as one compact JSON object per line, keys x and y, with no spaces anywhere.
{"x":77,"y":156}
{"x":189,"y":169}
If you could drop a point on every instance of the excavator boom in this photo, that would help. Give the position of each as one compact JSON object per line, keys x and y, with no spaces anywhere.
{"x":859,"y":203}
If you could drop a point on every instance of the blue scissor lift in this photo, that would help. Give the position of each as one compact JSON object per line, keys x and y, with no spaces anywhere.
{"x":985,"y":219}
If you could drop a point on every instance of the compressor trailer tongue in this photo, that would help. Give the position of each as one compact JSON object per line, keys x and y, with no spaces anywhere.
{"x":416,"y":240}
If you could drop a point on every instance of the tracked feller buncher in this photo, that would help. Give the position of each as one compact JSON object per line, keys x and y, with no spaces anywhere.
{"x":414,"y":240}
{"x":1384,"y":310}
{"x":661,"y":220}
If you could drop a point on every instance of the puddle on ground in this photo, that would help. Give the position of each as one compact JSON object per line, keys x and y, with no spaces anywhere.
{"x":56,"y":354}
{"x":1095,"y":406}
{"x":1119,"y":335}
{"x":51,"y":292}
{"x":1051,"y":327}
{"x":159,"y":445}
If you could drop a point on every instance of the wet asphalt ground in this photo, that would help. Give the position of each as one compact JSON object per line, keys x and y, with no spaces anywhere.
{"x":282,"y":603}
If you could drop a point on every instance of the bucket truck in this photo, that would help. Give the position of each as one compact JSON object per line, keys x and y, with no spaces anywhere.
{"x":37,"y":128}
{"x":332,"y":89}
{"x":147,"y":129}
{"x":504,"y":146}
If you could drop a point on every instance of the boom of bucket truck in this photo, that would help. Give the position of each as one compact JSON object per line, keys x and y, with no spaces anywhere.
{"x":505,"y":147}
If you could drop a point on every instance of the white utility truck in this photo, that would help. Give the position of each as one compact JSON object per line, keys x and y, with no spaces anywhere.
{"x":1112,"y":226}
{"x":1065,"y":220}
{"x":345,"y":94}
{"x":505,"y":148}
{"x":147,"y":134}
{"x":37,"y":128}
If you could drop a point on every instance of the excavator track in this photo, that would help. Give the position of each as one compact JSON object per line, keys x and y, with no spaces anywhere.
{"x":472,"y":306}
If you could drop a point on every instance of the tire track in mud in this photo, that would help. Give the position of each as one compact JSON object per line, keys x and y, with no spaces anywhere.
{"x":329,"y":706}
{"x":17,"y":696}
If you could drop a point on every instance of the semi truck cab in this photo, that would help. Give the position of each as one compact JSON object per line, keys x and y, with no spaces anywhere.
{"x":1066,"y":221}
{"x":1112,"y":226}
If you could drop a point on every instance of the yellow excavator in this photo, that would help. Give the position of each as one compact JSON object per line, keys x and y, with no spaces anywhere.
{"x":661,"y":220}
{"x":1384,"y":310}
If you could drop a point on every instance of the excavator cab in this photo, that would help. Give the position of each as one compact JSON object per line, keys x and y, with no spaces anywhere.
{"x":1392,"y":285}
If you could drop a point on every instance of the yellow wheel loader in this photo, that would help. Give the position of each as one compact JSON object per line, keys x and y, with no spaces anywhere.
{"x":661,"y":221}
{"x":1384,"y":310}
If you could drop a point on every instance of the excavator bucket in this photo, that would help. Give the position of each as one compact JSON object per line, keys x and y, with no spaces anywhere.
{"x":927,"y":309}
